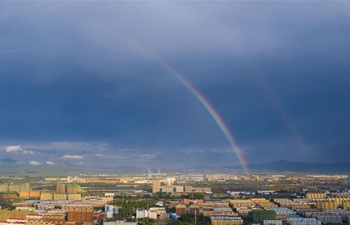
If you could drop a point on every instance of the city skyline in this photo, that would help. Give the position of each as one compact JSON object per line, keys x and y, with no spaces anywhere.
{"x":181,"y":84}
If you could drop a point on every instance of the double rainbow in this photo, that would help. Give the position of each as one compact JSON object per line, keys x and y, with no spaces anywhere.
{"x":209,"y":108}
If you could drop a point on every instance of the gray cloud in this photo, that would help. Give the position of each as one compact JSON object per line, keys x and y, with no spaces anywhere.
{"x":87,"y":80}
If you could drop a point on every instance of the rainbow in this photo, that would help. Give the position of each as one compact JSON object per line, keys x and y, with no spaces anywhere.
{"x":210,"y":109}
{"x":277,"y":107}
{"x":213,"y":113}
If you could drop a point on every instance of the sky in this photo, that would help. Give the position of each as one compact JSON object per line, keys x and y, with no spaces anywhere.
{"x":97,"y":83}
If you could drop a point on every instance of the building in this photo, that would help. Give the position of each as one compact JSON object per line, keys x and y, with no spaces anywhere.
{"x":4,"y":187}
{"x":272,"y":222}
{"x":180,"y":209}
{"x":19,"y":187}
{"x":194,"y":209}
{"x":146,"y":213}
{"x":73,"y":188}
{"x":110,"y":210}
{"x":188,"y":188}
{"x":6,"y":214}
{"x":34,"y":216}
{"x":46,"y":197}
{"x":61,"y":188}
{"x":55,"y":216}
{"x":80,"y":213}
{"x":9,"y":195}
{"x":166,"y":189}
{"x":119,"y":223}
{"x":59,"y":197}
{"x":157,"y":183}
{"x":315,"y":195}
{"x":226,"y":220}
{"x":158,"y":210}
{"x":74,"y":197}
{"x":179,"y":188}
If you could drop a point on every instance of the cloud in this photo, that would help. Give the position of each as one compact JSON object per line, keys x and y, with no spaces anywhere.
{"x":223,"y":151}
{"x":68,"y":146}
{"x":223,"y":49}
{"x":214,"y":150}
{"x":35,"y":163}
{"x":72,"y":157}
{"x":80,"y":163}
{"x":188,"y":151}
{"x":50,"y":163}
{"x":124,"y":150}
{"x":148,"y":155}
{"x":17,"y":149}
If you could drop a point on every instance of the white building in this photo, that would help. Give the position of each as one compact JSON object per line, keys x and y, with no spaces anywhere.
{"x":110,"y":210}
{"x":179,"y":188}
{"x":146,"y":213}
{"x":272,"y":222}
{"x":167,"y":189}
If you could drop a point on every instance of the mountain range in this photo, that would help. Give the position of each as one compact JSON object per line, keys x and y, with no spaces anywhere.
{"x":286,"y":166}
{"x":11,"y":165}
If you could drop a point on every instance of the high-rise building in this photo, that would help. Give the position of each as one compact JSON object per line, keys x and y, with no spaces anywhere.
{"x":179,"y":188}
{"x":80,"y":213}
{"x":46,"y":197}
{"x":188,"y":188}
{"x":61,"y":188}
{"x":59,"y":197}
{"x":194,"y":209}
{"x":157,"y":183}
{"x":73,"y":188}
{"x":205,"y":178}
{"x":4,"y":187}
{"x":181,"y":209}
{"x":110,"y":210}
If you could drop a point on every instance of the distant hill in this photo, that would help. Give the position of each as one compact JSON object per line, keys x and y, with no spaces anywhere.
{"x":122,"y":168}
{"x":202,"y":168}
{"x":286,"y":166}
{"x":9,"y":165}
{"x":8,"y":160}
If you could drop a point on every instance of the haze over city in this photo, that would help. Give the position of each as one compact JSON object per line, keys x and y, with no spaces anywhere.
{"x":155,"y":84}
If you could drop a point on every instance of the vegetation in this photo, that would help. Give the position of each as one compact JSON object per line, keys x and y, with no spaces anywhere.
{"x":128,"y":207}
{"x":188,"y":219}
{"x":145,"y":221}
{"x":162,"y":195}
{"x":6,"y":204}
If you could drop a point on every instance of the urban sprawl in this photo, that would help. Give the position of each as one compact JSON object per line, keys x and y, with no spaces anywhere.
{"x":159,"y":198}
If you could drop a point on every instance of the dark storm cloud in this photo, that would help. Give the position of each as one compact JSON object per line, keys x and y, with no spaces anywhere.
{"x":90,"y":77}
